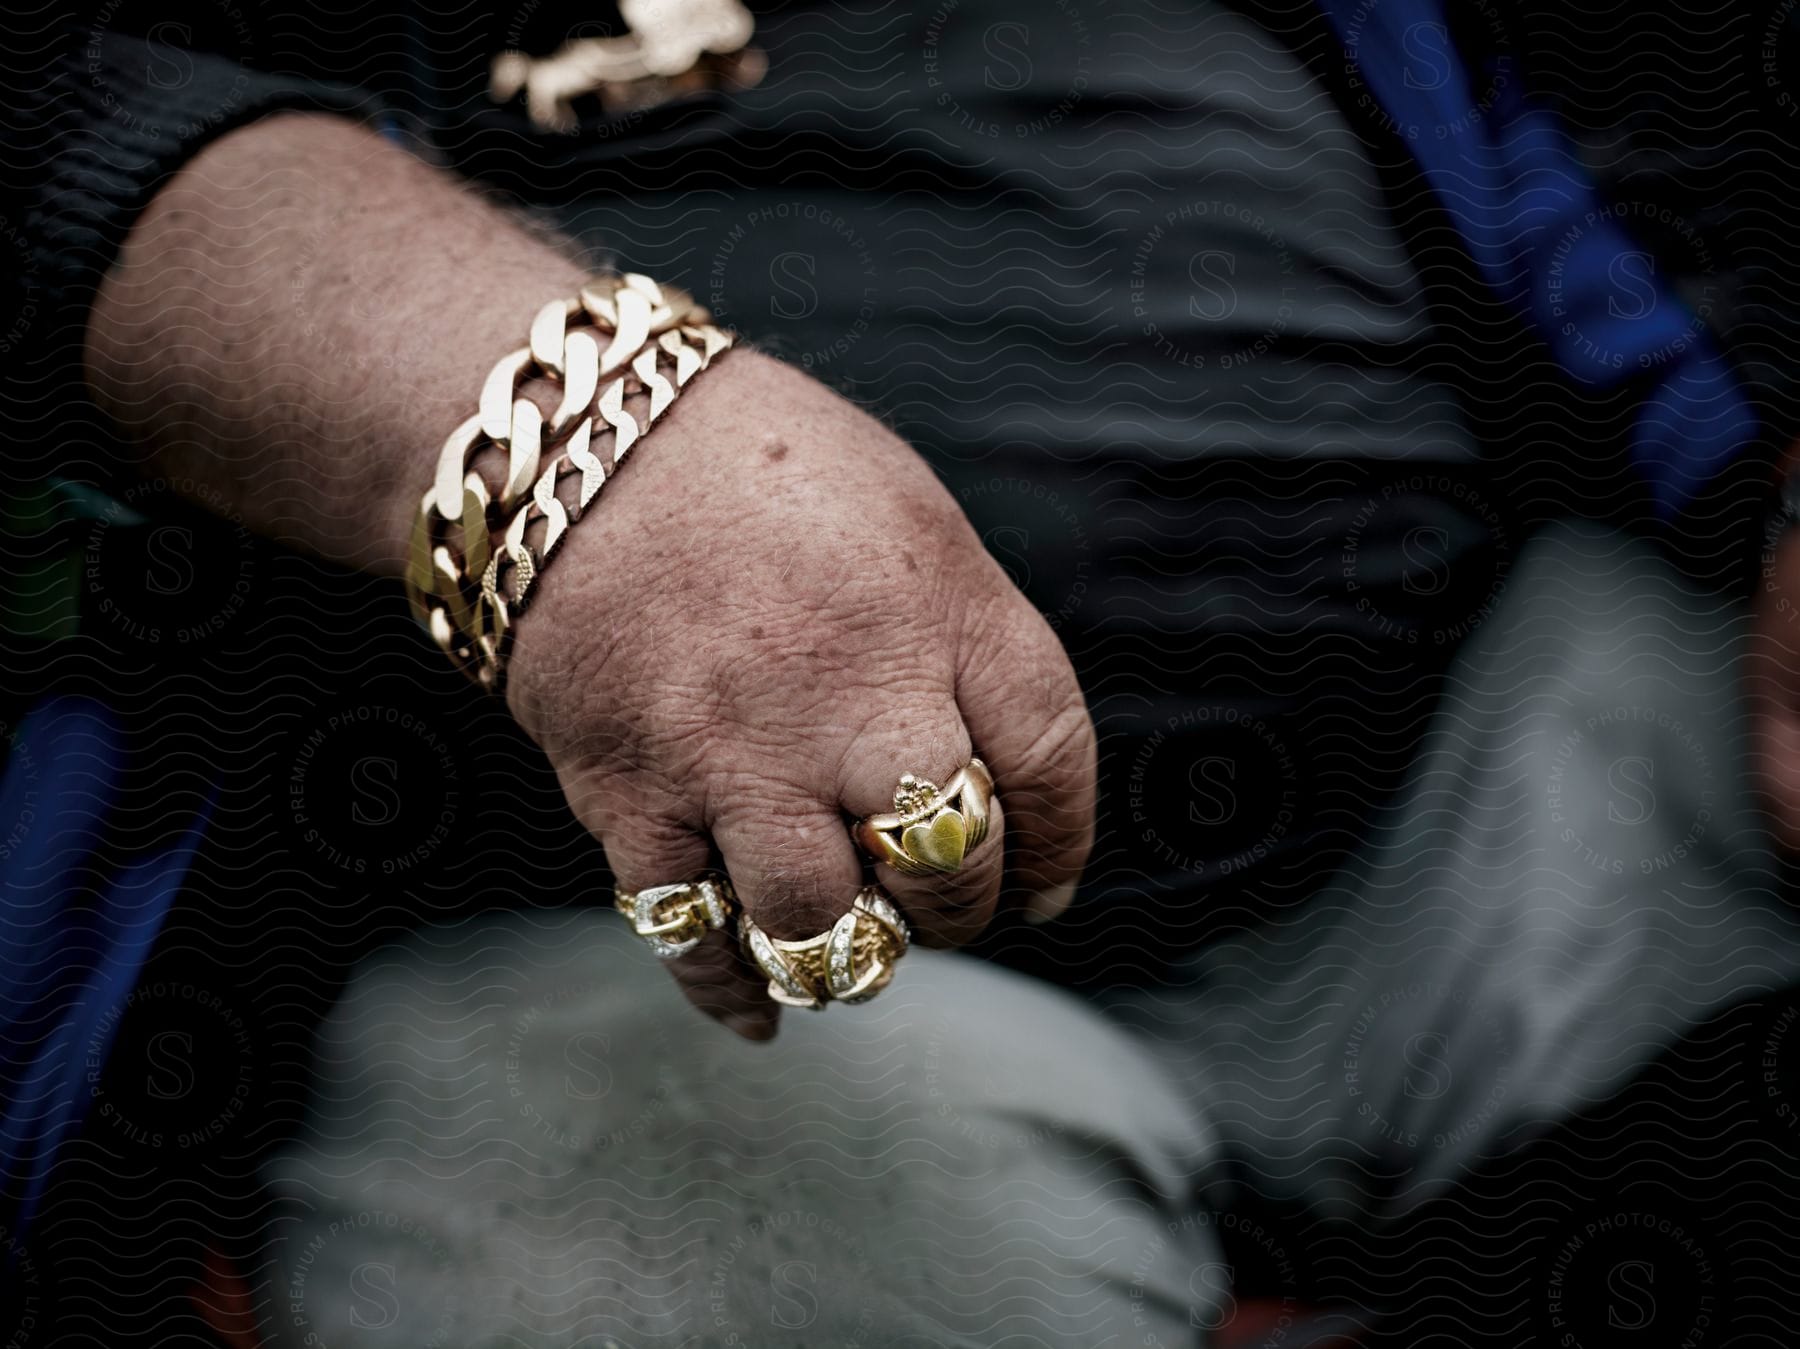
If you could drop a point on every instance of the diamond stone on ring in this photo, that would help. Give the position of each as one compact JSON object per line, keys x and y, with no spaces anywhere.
{"x":851,"y":961}
{"x":672,"y":919}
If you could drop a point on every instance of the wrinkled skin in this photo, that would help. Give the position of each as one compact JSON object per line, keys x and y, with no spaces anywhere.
{"x":773,"y":612}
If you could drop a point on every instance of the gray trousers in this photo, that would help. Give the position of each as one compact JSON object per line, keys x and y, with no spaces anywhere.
{"x":524,"y":1136}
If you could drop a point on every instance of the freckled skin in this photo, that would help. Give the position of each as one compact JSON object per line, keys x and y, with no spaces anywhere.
{"x":734,"y":653}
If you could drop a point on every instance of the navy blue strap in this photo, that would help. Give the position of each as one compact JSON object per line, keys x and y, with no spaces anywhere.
{"x":1547,"y":243}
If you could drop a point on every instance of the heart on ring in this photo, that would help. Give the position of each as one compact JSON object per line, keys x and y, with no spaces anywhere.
{"x":941,"y":844}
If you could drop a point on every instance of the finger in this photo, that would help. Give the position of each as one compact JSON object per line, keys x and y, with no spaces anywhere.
{"x":714,"y":977}
{"x":954,"y":909}
{"x":925,"y":736}
{"x":649,"y":842}
{"x":721,"y":981}
{"x":1025,"y":710}
{"x":789,"y":857}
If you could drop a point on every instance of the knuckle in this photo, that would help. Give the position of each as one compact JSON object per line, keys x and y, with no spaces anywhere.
{"x":916,"y":711}
{"x":661,"y":811}
{"x":766,"y":774}
{"x":919,"y":730}
{"x":1056,"y":805}
{"x":841,"y":649}
{"x":788,"y":855}
{"x":627,"y":777}
{"x":997,"y":619}
{"x":793,"y":904}
{"x":649,"y":834}
{"x":678,"y":739}
{"x":1064,"y":752}
{"x":1005,"y":634}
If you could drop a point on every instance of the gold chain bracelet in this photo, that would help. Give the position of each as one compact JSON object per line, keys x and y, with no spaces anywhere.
{"x":453,"y":547}
{"x":452,"y":524}
{"x":661,"y":370}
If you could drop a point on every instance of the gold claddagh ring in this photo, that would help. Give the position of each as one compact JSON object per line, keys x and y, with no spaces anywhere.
{"x":931,"y":828}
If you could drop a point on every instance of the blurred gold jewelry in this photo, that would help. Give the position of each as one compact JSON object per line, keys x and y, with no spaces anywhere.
{"x":672,"y":919}
{"x":671,"y":47}
{"x":932,"y":829}
{"x":851,"y":961}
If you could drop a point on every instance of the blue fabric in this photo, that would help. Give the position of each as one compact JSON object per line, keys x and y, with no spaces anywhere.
{"x":1543,"y":240}
{"x":75,"y":930}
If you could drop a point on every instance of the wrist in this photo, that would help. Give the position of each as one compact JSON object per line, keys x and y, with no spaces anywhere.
{"x":636,"y":546}
{"x":299,"y":317}
{"x":621,"y":353}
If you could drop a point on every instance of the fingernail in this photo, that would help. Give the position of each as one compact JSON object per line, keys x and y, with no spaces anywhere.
{"x":1051,"y":903}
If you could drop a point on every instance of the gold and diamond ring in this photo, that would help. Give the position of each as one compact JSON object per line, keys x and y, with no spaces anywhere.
{"x":932,"y":828}
{"x":851,"y":961}
{"x":672,"y":919}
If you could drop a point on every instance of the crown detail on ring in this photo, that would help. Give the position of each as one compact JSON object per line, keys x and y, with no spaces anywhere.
{"x":914,"y":794}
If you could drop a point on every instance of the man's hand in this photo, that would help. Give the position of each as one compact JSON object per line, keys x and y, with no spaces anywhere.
{"x":772,"y":613}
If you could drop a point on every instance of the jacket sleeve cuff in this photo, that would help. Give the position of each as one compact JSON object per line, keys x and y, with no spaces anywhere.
{"x":128,"y":114}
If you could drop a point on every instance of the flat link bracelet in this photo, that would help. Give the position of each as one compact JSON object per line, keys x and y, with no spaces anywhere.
{"x":453,"y":543}
{"x":661,"y":370}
